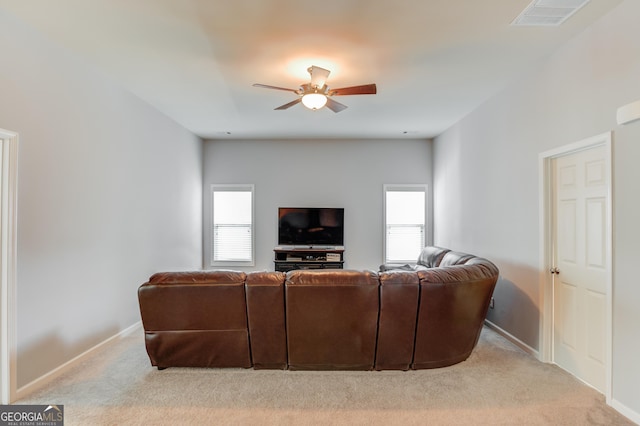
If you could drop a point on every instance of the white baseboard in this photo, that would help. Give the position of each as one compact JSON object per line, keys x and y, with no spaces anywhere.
{"x":513,"y":339}
{"x":626,"y":411}
{"x":57,"y":372}
{"x":616,"y":405}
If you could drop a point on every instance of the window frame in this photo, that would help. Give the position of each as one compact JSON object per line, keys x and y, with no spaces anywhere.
{"x":232,"y":188}
{"x":417,"y":187}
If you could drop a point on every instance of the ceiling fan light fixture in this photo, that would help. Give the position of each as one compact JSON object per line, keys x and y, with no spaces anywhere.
{"x":315,"y":94}
{"x":314,"y":100}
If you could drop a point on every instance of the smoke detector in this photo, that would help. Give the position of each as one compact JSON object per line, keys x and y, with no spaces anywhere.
{"x":548,"y":13}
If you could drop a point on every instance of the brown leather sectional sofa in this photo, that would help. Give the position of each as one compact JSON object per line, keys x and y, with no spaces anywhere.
{"x":404,"y":317}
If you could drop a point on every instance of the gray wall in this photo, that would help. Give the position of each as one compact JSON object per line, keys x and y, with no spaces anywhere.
{"x":486,"y":179}
{"x":321,"y":173}
{"x":109,"y":191}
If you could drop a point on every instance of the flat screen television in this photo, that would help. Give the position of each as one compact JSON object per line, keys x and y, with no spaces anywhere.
{"x":310,"y":226}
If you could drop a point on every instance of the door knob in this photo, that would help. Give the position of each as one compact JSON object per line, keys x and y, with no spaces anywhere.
{"x":554,"y":270}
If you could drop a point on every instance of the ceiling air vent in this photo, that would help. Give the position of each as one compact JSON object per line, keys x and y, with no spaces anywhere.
{"x":548,"y":13}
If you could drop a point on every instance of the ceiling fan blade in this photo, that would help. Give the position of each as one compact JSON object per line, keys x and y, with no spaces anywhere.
{"x":266,"y":86}
{"x":289,"y":105}
{"x":318,"y":76}
{"x":335,"y":106}
{"x":366,"y":89}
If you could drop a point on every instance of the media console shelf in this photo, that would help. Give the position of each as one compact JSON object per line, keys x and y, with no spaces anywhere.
{"x":290,"y":258}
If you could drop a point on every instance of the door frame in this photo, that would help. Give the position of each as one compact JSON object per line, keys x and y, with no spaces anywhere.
{"x":8,"y":254}
{"x":547,"y":254}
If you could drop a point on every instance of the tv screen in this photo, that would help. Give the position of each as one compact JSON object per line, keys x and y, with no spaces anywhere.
{"x":310,"y":226}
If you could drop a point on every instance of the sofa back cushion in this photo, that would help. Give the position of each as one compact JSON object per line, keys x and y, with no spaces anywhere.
{"x":199,"y":300}
{"x":455,"y":258}
{"x":431,"y":256}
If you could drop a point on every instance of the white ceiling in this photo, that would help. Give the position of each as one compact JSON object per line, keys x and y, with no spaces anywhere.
{"x":433,"y":61}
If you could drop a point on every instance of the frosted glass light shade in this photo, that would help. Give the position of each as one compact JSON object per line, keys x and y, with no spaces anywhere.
{"x":314,"y":100}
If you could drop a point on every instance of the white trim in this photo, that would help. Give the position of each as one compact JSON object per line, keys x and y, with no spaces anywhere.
{"x":43,"y":380}
{"x":634,"y":416}
{"x":513,"y":339}
{"x":544,"y":241}
{"x":545,"y":256}
{"x":8,"y":252}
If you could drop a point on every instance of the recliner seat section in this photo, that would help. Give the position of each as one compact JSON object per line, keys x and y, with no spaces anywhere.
{"x":332,"y":318}
{"x":195,"y":319}
{"x":426,"y":315}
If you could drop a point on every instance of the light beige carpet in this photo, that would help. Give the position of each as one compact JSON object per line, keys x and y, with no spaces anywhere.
{"x":498,"y":385}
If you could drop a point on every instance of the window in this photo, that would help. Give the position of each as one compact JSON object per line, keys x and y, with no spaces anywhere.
{"x":404,"y":222}
{"x":232,"y":225}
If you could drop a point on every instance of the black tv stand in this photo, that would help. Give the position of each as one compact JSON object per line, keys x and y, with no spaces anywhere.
{"x":288,"y":258}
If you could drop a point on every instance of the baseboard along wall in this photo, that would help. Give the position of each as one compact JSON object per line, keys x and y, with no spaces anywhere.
{"x":57,"y":372}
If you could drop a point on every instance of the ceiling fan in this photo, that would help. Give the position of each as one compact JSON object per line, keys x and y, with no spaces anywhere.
{"x":317,"y":94}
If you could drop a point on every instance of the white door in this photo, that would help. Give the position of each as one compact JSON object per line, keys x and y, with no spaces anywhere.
{"x":580,"y":284}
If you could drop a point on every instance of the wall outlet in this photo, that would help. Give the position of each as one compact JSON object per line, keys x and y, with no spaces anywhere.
{"x":492,"y":303}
